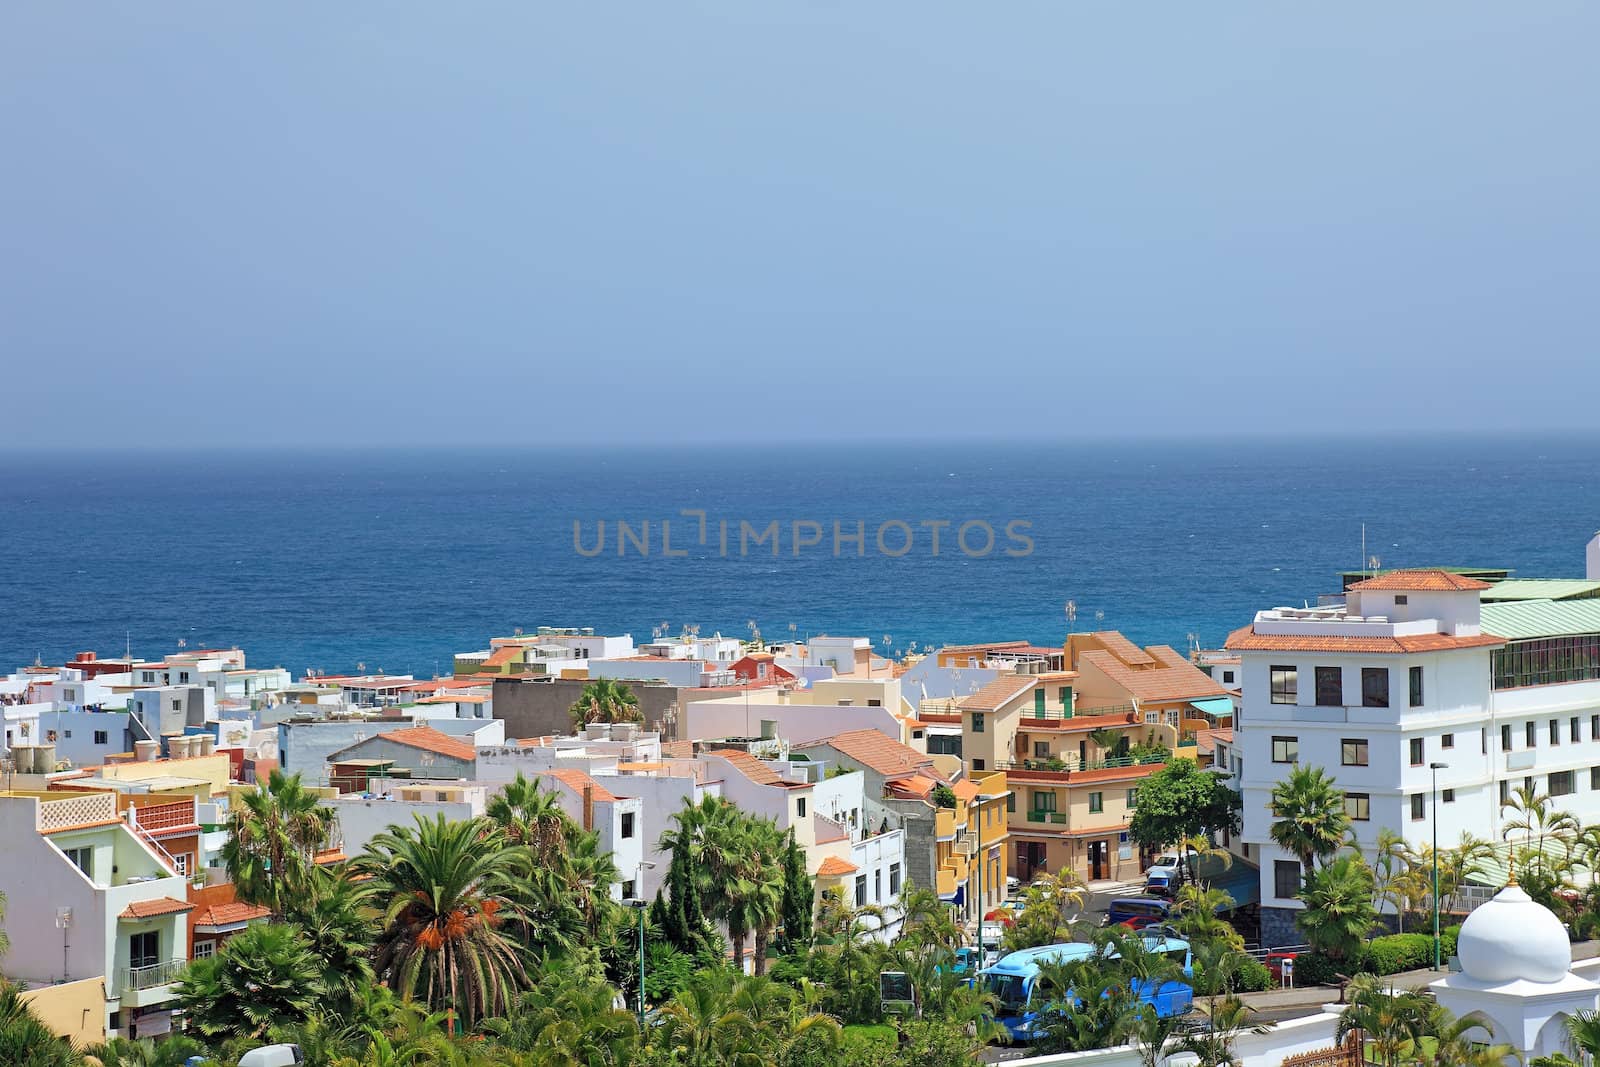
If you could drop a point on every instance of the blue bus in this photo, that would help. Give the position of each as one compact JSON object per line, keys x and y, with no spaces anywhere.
{"x":1013,"y":981}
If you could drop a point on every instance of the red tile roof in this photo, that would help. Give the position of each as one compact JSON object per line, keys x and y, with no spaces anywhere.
{"x":1421,"y":581}
{"x":230,"y":914}
{"x":755,"y":770}
{"x":1114,"y":642}
{"x":1245,"y":639}
{"x":430,"y":740}
{"x":834,"y":867}
{"x":578,"y":781}
{"x":149,"y":909}
{"x":1081,"y":722}
{"x":878,"y":751}
{"x":920,"y":786}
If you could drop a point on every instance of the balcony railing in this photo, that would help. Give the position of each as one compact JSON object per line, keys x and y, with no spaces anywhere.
{"x":1059,"y":818}
{"x":155,"y":974}
{"x":86,"y":809}
{"x":1071,"y":762}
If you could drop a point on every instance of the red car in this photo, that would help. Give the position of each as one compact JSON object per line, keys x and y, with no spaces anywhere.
{"x":1274,"y":962}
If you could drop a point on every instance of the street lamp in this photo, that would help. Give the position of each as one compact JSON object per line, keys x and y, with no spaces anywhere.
{"x":1434,"y":769}
{"x":641,"y":905}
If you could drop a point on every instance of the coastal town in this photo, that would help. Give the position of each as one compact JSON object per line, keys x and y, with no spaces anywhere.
{"x":1384,"y":801}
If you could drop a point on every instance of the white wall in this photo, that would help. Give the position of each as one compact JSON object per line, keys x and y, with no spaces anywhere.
{"x":361,"y":820}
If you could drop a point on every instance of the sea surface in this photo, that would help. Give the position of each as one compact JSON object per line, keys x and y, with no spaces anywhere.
{"x":398,"y":559}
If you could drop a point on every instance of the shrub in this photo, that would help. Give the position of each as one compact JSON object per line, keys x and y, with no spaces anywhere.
{"x":1313,"y":968}
{"x":1251,"y":977}
{"x":1395,"y":953}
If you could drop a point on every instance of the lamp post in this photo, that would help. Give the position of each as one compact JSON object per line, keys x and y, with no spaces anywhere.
{"x":638,"y":902}
{"x":1434,"y":769}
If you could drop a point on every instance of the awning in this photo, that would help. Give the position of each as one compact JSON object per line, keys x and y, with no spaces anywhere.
{"x":1216,"y":707}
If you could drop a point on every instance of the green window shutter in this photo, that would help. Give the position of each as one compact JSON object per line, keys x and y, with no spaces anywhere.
{"x":1038,"y":703}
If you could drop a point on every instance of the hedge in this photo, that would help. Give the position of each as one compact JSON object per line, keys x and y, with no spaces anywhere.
{"x":1395,"y":953}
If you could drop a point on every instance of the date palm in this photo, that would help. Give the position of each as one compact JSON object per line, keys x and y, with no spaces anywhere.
{"x":448,"y":889}
{"x":1309,"y":817}
{"x":1391,"y":862}
{"x":532,"y":817}
{"x":568,"y":1020}
{"x":605,"y":700}
{"x":275,"y":832}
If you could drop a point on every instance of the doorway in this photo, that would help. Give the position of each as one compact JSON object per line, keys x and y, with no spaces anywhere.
{"x":1098,"y":861}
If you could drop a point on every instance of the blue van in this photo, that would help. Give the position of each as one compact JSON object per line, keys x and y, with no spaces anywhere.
{"x":1137,"y":912}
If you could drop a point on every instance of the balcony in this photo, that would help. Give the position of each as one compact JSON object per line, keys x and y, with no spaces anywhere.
{"x":139,"y":986}
{"x":1057,"y":818}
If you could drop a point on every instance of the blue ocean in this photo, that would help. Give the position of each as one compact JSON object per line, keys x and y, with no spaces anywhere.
{"x":398,"y":559}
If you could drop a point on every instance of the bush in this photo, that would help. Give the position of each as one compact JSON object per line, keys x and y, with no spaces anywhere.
{"x":1313,"y":968}
{"x":1252,"y":976}
{"x":1395,"y":953}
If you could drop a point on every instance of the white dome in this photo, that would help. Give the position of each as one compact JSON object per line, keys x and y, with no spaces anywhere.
{"x":1512,"y":938}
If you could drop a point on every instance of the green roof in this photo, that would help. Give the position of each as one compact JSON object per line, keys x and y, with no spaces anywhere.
{"x":1520,"y":620}
{"x":1542,"y":589}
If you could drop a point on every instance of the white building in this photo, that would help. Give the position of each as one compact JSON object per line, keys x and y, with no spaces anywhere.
{"x":617,"y":820}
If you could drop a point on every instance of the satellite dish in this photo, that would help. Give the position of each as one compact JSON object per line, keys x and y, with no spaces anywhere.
{"x":802,"y":683}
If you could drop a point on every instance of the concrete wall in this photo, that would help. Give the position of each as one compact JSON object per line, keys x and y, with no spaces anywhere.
{"x":736,"y":716}
{"x":73,"y":1010}
{"x":362,"y":820}
{"x":532,"y":708}
{"x":304,"y":747}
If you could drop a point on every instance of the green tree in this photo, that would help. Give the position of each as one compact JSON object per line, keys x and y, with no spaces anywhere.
{"x":1227,"y":1017}
{"x":1182,"y":801}
{"x":605,"y":700}
{"x":1048,"y":915}
{"x":1392,"y":1022}
{"x":568,"y":1020}
{"x":1393,"y":861}
{"x":145,"y":1052}
{"x":448,"y":890}
{"x":1460,"y":1042}
{"x":532,"y":817}
{"x":799,"y":899}
{"x":275,"y":832}
{"x":1339,"y":908}
{"x":266,"y":976}
{"x":1583,"y":1028}
{"x":1309,"y":817}
{"x":1198,"y":915}
{"x":336,"y":913}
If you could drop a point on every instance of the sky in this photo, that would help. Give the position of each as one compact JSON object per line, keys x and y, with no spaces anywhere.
{"x":522,"y":223}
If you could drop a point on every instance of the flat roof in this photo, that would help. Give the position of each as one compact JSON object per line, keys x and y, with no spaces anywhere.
{"x":1542,"y":589}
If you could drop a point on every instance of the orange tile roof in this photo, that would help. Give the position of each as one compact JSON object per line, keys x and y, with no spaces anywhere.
{"x":747,"y":765}
{"x":430,"y":740}
{"x":578,"y":781}
{"x":1081,"y":722}
{"x":1421,"y":581}
{"x":1245,"y":639}
{"x":231,"y":914}
{"x":965,"y":789}
{"x":149,"y":909}
{"x":920,"y":786}
{"x":1114,"y":642}
{"x":1169,"y":679}
{"x":999,"y":692}
{"x":878,"y":751}
{"x":677,"y":749}
{"x":834,"y":867}
{"x":502,"y":656}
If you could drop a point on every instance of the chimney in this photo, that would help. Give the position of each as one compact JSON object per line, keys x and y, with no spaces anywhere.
{"x":588,"y":807}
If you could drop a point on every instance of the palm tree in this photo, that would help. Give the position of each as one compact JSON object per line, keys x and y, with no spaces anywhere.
{"x":1459,"y":865}
{"x":699,"y":1028}
{"x":448,"y":889}
{"x":1226,"y":1018}
{"x":1048,"y":913}
{"x":275,"y":832}
{"x":1339,"y":909}
{"x":336,"y":912}
{"x":265,"y":976}
{"x":145,"y":1052}
{"x":1198,"y":915}
{"x":24,"y":1040}
{"x":927,"y":922}
{"x":1154,"y":1035}
{"x":1393,"y":859}
{"x":604,"y":700}
{"x":1462,"y":1042}
{"x":532,"y":817}
{"x":567,"y":1020}
{"x":1311,"y":821}
{"x":1584,"y":1029}
{"x":1393,"y":1022}
{"x":756,"y":896}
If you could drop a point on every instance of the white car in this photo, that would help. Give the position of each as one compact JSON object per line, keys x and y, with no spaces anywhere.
{"x":1168,"y":862}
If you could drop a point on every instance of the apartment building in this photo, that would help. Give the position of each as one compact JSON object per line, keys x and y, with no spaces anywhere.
{"x":1388,"y":690}
{"x":89,"y":898}
{"x":617,"y":820}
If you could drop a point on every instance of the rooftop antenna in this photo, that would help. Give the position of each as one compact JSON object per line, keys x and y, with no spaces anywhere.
{"x":1072,"y":614}
{"x":1364,"y":549}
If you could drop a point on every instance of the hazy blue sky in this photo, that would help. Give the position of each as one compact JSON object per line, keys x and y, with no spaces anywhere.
{"x":342,"y":222}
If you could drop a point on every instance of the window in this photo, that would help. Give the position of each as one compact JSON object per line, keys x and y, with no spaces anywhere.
{"x":1285,"y":685}
{"x":1415,"y":676}
{"x":1358,"y":806}
{"x":1447,"y":740}
{"x":1227,"y":677}
{"x":1041,"y":750}
{"x":177,"y":705}
{"x":1530,"y":733}
{"x":83,"y":859}
{"x":977,"y":722}
{"x":894,"y":879}
{"x":1133,"y":798}
{"x":102,"y":737}
{"x":1286,"y":878}
{"x":628,"y":890}
{"x":1011,"y":800}
{"x":877,"y":885}
{"x":1353,"y":752}
{"x":800,"y":804}
{"x":67,"y":733}
{"x":180,"y":863}
{"x":204,"y":950}
{"x":1044,"y":800}
{"x":1561,"y":784}
{"x":183,"y":676}
{"x":1038,"y":703}
{"x":1594,"y":727}
{"x":1285,"y":750}
{"x":144,"y":950}
{"x":627,"y":824}
{"x":978,"y":764}
{"x":1594,"y":778}
{"x":1555,"y":731}
{"x":1505,"y":793}
{"x":1574,"y":730}
{"x":1374,"y":687}
{"x":1330,"y":687}
{"x":1505,"y":738}
{"x":861,"y":890}
{"x":1448,"y":795}
{"x":1416,"y":751}
{"x":1401,"y":600}
{"x":1419,"y":807}
{"x":1096,"y":803}
{"x":874,"y":702}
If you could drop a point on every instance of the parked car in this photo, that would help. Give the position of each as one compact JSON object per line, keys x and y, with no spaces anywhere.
{"x":1169,"y":863}
{"x":1137,"y":912}
{"x":1274,"y":962}
{"x":1162,"y":882}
